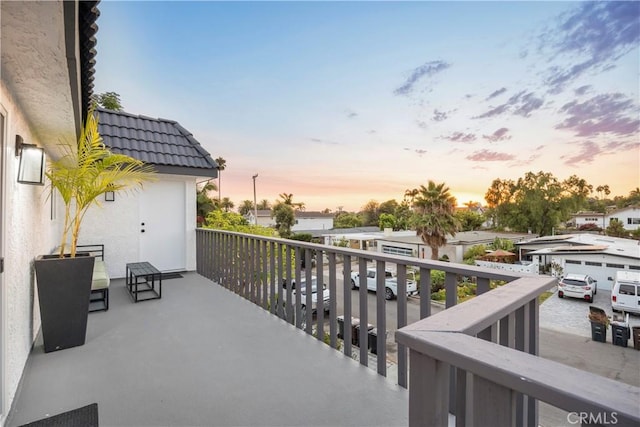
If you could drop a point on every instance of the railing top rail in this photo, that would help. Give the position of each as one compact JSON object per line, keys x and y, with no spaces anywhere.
{"x":560,"y":385}
{"x":461,"y":269}
{"x":479,"y":313}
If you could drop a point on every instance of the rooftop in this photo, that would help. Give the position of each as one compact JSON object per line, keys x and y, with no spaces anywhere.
{"x":160,"y":142}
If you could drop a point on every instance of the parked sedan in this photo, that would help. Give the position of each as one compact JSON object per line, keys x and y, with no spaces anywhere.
{"x":580,"y":286}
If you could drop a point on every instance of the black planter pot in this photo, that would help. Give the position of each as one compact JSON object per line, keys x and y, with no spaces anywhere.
{"x":64,"y":290}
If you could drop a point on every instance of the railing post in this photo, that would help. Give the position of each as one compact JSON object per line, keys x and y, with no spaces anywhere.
{"x":320,"y":297}
{"x":346,"y":276}
{"x":333,"y":304}
{"x":363,"y":294}
{"x":381,"y":320}
{"x":428,"y":391}
{"x":425,"y":292}
{"x":492,"y":405}
{"x":401,"y":323}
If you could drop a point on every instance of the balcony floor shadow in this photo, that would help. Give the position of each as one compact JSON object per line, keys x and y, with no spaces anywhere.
{"x":203,"y":356}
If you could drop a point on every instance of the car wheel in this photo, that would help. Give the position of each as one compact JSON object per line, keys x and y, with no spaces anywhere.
{"x":595,"y":291}
{"x":560,"y":295}
{"x":388,"y":294}
{"x":588,"y":298}
{"x":353,"y":284}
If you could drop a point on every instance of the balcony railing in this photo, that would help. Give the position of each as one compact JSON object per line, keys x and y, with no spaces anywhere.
{"x":477,"y":360}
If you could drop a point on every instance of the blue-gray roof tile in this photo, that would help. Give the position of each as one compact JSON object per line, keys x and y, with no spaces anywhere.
{"x":160,"y":142}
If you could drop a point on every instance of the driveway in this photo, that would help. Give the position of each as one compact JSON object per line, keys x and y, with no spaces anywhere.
{"x":570,"y":315}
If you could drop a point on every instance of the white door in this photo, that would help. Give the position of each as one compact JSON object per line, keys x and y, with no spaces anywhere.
{"x":163,"y":225}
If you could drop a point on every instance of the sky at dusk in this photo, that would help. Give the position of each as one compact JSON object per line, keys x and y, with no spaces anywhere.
{"x":339,"y":103}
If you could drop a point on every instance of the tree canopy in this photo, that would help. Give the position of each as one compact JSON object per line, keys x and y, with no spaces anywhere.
{"x":536,"y":202}
{"x":108,"y":100}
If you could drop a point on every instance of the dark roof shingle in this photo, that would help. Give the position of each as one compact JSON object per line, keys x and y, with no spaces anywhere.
{"x":159,"y":142}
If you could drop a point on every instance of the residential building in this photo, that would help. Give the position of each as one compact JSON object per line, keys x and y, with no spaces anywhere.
{"x":304,"y":221}
{"x":628,"y":216}
{"x":409,"y":244}
{"x":584,"y":253}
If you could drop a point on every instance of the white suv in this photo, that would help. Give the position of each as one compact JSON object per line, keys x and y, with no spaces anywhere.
{"x":580,"y":286}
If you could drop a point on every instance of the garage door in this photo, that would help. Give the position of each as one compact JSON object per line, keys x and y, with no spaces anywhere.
{"x":600,"y":273}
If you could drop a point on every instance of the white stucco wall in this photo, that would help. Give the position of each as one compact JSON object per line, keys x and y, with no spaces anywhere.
{"x":28,"y":232}
{"x":117,"y":225}
{"x":313,"y":224}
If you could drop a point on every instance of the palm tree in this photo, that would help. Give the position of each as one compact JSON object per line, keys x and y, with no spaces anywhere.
{"x":222,"y":164}
{"x":226,"y":204}
{"x":287,"y":199}
{"x":434,"y":215}
{"x":204,"y":203}
{"x":264,"y":204}
{"x":245,"y":207}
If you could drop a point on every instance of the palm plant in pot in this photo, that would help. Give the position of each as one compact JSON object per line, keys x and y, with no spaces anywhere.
{"x":84,"y":172}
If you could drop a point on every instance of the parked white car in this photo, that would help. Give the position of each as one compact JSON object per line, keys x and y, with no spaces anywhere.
{"x":313,"y":288}
{"x":580,"y":286}
{"x":390,"y":281}
{"x":625,"y":294}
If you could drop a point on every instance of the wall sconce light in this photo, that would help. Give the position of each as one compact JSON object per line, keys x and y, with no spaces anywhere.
{"x":31,"y":168}
{"x":109,"y":196}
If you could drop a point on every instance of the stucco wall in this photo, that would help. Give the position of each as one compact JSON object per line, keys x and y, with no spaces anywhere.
{"x":313,"y":224}
{"x":28,"y":232}
{"x":117,"y":225}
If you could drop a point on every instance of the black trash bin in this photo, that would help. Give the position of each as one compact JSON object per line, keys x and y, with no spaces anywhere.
{"x":598,"y":332}
{"x":340,"y":320}
{"x":620,"y":334}
{"x":373,"y":340}
{"x":636,"y":337}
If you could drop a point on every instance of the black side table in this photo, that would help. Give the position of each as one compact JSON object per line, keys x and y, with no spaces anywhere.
{"x":141,"y":279}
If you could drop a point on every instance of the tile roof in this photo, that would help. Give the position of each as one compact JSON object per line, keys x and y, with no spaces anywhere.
{"x":160,"y":142}
{"x":88,"y":13}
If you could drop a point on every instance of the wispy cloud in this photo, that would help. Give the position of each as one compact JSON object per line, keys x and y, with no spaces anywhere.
{"x":460,"y":137}
{"x":522,"y":104}
{"x":524,"y":162}
{"x":351,"y":114}
{"x":490,"y":156}
{"x":439,"y":116}
{"x":582,"y":90}
{"x":496,"y":93}
{"x":323,"y":141}
{"x":590,"y":38}
{"x":426,"y":70}
{"x":608,"y":113}
{"x":588,"y":152}
{"x":498,"y":135}
{"x":419,"y":151}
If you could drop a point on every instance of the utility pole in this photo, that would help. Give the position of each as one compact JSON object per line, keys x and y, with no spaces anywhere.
{"x":255,"y":203}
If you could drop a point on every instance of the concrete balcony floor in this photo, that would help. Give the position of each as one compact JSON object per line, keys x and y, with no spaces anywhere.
{"x":203,"y":356}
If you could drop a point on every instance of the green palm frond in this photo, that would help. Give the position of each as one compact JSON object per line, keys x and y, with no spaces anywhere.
{"x":86,"y":171}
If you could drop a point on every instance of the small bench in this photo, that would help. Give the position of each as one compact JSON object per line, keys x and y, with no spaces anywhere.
{"x":100,"y":281}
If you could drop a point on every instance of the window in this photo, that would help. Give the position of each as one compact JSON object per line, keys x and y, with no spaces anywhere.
{"x":620,"y":266}
{"x":634,"y":267}
{"x":612,"y":220}
{"x":627,"y":289}
{"x":633,"y":221}
{"x":371,"y":274}
{"x":597,"y":264}
{"x":570,"y":261}
{"x":394,"y":250}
